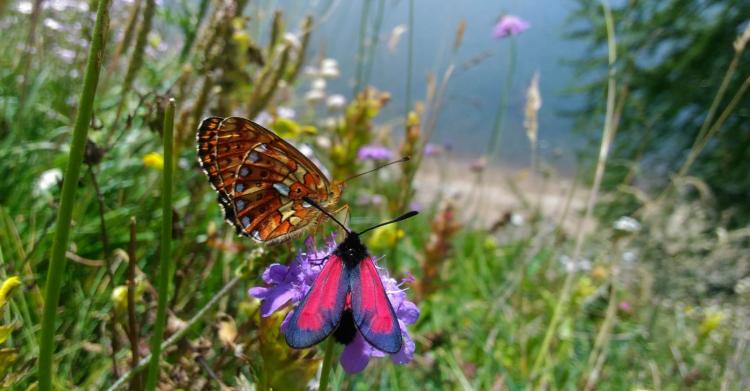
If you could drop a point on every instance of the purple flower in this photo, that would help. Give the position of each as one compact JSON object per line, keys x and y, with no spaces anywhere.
{"x":289,"y":284}
{"x":510,"y":25}
{"x":372,"y":152}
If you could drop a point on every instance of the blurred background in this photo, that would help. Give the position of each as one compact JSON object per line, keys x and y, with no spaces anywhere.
{"x":580,"y":167}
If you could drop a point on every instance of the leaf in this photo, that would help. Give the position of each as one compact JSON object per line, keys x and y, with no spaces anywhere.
{"x":5,"y":331}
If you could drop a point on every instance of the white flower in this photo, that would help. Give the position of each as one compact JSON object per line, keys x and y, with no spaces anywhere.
{"x":292,"y":40}
{"x":24,"y":7}
{"x":310,"y":71}
{"x":47,"y":180}
{"x":630,"y":256}
{"x":329,"y":63}
{"x":263,"y":118}
{"x":323,"y":142}
{"x":286,"y":112}
{"x":627,"y":224}
{"x":314,"y":96}
{"x":319,"y":84}
{"x":517,"y":219}
{"x":329,"y":68}
{"x":52,"y":24}
{"x":571,"y":265}
{"x":335,"y":102}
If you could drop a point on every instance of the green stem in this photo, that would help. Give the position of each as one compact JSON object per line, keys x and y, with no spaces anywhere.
{"x":325,"y":372}
{"x":166,"y":248}
{"x":409,"y":60}
{"x":502,"y":107}
{"x":65,"y":213}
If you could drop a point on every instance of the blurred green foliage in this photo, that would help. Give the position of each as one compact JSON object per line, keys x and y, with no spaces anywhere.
{"x":673,"y":57}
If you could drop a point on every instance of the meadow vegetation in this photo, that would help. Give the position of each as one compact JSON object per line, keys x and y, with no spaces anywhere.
{"x":649,"y":289}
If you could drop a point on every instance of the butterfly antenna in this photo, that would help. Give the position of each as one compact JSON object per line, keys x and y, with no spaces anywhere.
{"x":396,"y":220}
{"x":402,"y":160}
{"x":325,"y":212}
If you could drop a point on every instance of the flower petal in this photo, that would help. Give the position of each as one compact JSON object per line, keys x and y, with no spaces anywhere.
{"x":275,"y":273}
{"x":258,"y":292}
{"x":354,"y":358}
{"x":408,"y":312}
{"x":276,"y":298}
{"x":407,"y":351}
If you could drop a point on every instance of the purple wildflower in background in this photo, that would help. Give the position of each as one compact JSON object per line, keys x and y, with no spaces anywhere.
{"x":510,"y":25}
{"x":373,"y":152}
{"x":290,"y":284}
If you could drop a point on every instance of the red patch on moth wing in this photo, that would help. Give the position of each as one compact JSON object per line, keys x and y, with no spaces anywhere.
{"x":373,"y":299}
{"x":321,"y":301}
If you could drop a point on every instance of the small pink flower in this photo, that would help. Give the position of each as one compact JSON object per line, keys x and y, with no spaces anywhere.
{"x":510,"y":25}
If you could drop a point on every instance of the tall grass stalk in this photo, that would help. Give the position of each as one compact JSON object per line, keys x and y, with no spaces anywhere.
{"x":70,"y":184}
{"x":166,"y":247}
{"x":608,"y":133}
{"x":409,"y":61}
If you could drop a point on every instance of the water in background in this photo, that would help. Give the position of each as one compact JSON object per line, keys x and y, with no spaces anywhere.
{"x":473,"y":95}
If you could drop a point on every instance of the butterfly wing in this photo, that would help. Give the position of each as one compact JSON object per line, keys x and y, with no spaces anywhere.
{"x":320,"y":311}
{"x":373,"y":312}
{"x":261,"y":179}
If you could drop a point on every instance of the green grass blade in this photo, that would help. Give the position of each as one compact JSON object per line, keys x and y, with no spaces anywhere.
{"x":166,"y":248}
{"x":64,"y":215}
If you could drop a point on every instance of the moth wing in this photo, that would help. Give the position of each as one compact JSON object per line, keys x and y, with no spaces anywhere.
{"x":320,"y":311}
{"x":372,"y":310}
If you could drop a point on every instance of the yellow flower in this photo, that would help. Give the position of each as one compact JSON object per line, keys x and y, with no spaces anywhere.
{"x":7,"y":287}
{"x":585,"y":287}
{"x":599,"y":272}
{"x":154,"y":160}
{"x":386,"y":237}
{"x":120,"y":298}
{"x":712,"y":320}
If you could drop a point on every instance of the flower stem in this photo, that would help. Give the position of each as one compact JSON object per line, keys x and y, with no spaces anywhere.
{"x":608,"y":133}
{"x":166,"y":248}
{"x":497,"y":126}
{"x":325,"y":372}
{"x":65,"y":213}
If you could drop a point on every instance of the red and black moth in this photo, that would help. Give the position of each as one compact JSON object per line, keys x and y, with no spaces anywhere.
{"x":347,"y":296}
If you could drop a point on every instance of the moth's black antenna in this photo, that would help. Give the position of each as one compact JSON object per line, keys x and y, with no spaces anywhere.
{"x":325,"y":212}
{"x":402,"y":160}
{"x":396,"y":220}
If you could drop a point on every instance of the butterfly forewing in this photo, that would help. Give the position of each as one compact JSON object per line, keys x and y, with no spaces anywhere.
{"x":373,"y":312}
{"x":320,"y":311}
{"x":261,"y":179}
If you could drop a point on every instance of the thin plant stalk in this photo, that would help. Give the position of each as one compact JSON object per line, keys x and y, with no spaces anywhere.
{"x":607,"y":135}
{"x":166,"y":247}
{"x":325,"y":372}
{"x":136,"y":383}
{"x":409,"y":60}
{"x":497,"y":126}
{"x":65,"y":213}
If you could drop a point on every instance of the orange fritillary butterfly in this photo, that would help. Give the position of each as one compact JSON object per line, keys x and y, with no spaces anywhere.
{"x":262,"y":179}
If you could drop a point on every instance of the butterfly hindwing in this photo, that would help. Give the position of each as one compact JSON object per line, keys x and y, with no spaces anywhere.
{"x":320,"y":311}
{"x":373,"y":312}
